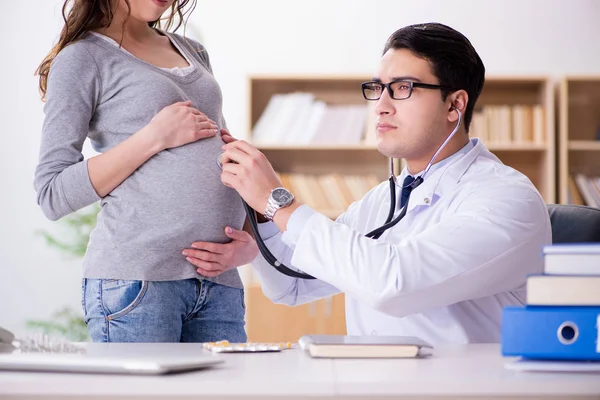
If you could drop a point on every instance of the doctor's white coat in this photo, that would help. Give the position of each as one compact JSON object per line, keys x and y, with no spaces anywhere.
{"x":473,"y":231}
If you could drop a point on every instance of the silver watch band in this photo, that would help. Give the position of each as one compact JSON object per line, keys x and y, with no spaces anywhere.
{"x":271,"y":209}
{"x":274,"y":203}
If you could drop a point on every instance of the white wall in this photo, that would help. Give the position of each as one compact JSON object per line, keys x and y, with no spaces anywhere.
{"x":552,"y":37}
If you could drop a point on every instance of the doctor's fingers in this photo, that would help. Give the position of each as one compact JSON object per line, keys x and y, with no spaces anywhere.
{"x":231,"y":180}
{"x":226,"y":136}
{"x":234,"y":155}
{"x":246,"y":148}
{"x":234,"y":169}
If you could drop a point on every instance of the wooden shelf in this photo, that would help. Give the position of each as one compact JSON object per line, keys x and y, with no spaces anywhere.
{"x":269,"y":322}
{"x":317,"y":148}
{"x":490,"y":146}
{"x":535,"y":159}
{"x":579,"y":121}
{"x":352,"y":162}
{"x":516,"y":146}
{"x":584,"y":145}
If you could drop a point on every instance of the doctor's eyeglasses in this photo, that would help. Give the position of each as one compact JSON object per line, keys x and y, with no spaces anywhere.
{"x":398,"y":89}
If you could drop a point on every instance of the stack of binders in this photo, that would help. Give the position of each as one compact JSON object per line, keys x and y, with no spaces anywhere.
{"x":561,"y":320}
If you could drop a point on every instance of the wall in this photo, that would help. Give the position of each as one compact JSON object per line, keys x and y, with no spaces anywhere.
{"x":550,"y":37}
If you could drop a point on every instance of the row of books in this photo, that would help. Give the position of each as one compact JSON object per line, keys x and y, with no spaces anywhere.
{"x":299,"y":118}
{"x":584,"y":190}
{"x":509,"y":124}
{"x":561,"y":318}
{"x":329,"y":192}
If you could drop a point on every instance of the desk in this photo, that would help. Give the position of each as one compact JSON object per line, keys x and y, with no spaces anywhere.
{"x":454,"y":372}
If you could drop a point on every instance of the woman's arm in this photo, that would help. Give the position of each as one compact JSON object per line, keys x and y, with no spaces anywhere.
{"x":173,"y":126}
{"x":64,"y":181}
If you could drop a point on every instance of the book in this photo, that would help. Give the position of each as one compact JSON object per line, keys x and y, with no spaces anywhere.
{"x":342,"y":346}
{"x":572,"y":259}
{"x":563,"y":290}
{"x":551,"y":333}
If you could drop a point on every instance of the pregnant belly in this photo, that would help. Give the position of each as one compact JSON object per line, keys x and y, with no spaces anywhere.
{"x":172,"y":201}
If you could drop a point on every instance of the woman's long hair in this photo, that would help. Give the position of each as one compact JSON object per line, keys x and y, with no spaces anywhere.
{"x":88,"y":15}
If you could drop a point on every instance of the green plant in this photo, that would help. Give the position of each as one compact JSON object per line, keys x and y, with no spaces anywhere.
{"x":80,"y":225}
{"x":67,"y":323}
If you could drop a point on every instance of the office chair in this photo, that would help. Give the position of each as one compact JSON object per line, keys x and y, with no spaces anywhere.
{"x":574,"y":224}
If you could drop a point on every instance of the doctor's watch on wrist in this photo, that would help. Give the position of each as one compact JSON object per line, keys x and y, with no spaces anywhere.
{"x":280,"y":197}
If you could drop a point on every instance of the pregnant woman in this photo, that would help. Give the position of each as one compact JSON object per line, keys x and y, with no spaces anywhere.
{"x":149,"y":104}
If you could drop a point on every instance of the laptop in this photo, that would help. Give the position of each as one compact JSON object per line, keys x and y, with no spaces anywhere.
{"x":116,"y":358}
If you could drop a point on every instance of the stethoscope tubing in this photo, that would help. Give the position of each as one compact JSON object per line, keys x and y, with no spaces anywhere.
{"x":374,"y":234}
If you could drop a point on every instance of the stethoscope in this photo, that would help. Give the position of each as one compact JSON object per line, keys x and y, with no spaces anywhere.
{"x":374,"y":234}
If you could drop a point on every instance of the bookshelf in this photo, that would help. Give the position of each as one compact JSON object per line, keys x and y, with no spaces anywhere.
{"x":579,"y":140}
{"x":530,"y":150}
{"x":344,"y":161}
{"x":515,"y":119}
{"x":268,"y":322}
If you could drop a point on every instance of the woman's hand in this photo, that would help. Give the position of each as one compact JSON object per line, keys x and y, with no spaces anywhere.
{"x":180,"y":124}
{"x":212,"y":259}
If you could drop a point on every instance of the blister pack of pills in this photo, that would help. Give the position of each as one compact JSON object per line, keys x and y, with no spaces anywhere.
{"x":226,"y":347}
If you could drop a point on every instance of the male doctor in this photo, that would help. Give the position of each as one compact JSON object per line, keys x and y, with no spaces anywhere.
{"x":473,"y":229}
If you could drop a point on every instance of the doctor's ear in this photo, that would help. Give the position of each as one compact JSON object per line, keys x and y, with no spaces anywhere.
{"x":457,"y":101}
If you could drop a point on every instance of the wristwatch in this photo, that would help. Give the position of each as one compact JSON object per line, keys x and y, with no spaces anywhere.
{"x":280,"y":197}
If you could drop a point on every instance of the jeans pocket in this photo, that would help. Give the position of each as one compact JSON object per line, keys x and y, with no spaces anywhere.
{"x":120,"y":297}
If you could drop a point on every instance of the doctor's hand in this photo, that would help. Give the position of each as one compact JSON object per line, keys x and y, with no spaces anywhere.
{"x":248,"y":171}
{"x":212,"y":259}
{"x":226,"y":136}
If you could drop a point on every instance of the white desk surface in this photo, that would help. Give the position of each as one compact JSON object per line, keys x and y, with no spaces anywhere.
{"x":452,"y":372}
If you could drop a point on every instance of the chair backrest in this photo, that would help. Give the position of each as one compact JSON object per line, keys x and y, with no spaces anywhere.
{"x":574,"y":224}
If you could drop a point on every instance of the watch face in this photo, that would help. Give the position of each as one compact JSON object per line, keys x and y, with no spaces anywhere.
{"x":282,"y":196}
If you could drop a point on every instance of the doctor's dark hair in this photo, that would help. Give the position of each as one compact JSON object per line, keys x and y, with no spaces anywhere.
{"x":453,"y":59}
